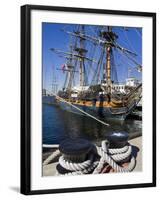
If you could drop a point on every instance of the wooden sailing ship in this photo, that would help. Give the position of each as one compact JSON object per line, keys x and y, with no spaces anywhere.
{"x":95,"y":94}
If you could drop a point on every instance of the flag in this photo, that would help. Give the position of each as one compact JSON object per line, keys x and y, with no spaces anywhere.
{"x":63,"y":66}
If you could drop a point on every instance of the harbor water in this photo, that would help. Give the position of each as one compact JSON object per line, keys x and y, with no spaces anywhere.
{"x":59,"y":125}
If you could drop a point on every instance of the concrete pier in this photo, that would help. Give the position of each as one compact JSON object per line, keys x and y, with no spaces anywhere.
{"x":50,"y":169}
{"x":137,"y":152}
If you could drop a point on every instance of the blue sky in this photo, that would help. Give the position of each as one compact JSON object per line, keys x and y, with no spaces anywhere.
{"x":54,"y":37}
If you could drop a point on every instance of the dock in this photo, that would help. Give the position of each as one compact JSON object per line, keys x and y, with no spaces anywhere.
{"x":50,"y":169}
{"x":137,"y":152}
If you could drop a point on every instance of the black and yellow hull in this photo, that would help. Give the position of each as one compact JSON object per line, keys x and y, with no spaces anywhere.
{"x":106,"y":110}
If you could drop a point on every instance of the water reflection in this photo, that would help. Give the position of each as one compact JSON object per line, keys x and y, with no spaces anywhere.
{"x":59,"y":124}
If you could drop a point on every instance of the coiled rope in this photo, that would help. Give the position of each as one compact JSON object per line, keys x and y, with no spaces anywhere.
{"x":76,"y":166}
{"x":110,"y":156}
{"x":85,"y":167}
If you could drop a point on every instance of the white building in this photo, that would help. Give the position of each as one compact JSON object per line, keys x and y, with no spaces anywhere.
{"x":132,"y":82}
{"x":80,"y":88}
{"x":121,"y":87}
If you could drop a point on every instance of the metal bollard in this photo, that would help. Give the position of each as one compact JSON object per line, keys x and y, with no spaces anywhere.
{"x":117,"y":139}
{"x":74,"y":151}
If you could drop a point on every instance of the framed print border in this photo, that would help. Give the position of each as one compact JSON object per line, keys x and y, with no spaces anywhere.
{"x":26,"y":87}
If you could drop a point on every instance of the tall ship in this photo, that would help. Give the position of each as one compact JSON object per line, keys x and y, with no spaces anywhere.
{"x":91,"y":76}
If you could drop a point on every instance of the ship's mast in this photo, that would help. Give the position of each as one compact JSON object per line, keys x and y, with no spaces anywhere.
{"x":108,"y":62}
{"x":81,"y":51}
{"x":108,"y":65}
{"x":54,"y":84}
{"x":78,"y":53}
{"x":109,"y":38}
{"x":70,"y":68}
{"x":81,"y":61}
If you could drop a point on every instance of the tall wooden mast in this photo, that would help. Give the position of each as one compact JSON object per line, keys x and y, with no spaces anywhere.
{"x":81,"y":51}
{"x":108,"y":65}
{"x":110,"y":38}
{"x":108,"y":58}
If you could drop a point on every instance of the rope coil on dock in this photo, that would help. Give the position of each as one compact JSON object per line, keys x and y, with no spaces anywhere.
{"x":113,"y":156}
{"x":76,"y":166}
{"x":108,"y":156}
{"x":85,"y":171}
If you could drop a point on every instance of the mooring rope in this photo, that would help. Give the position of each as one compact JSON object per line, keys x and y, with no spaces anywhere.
{"x":51,"y":157}
{"x":84,"y":171}
{"x":76,"y":166}
{"x":82,"y":111}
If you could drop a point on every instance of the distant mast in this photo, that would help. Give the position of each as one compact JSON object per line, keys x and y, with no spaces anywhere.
{"x":54,"y":84}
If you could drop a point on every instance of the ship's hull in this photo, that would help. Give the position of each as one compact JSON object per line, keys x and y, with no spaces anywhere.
{"x":119,"y":113}
{"x":49,"y":100}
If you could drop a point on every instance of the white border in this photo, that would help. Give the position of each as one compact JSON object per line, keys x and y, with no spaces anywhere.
{"x":42,"y":183}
